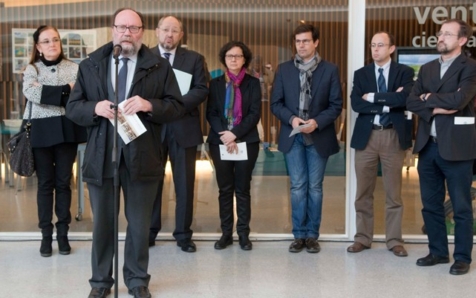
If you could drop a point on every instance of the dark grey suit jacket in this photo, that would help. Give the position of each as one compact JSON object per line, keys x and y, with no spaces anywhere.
{"x":455,"y":91}
{"x":365,"y":82}
{"x":187,"y":130}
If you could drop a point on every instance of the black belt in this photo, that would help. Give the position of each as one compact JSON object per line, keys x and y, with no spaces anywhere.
{"x":380,"y":127}
{"x":433,"y":139}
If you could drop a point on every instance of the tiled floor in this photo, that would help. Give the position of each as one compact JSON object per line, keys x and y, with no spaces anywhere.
{"x":269,"y":270}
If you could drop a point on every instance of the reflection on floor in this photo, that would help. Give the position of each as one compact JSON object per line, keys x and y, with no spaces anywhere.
{"x":270,"y":205}
{"x":269,"y":270}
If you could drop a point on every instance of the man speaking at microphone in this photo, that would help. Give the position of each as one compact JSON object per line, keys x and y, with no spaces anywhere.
{"x":152,"y":93}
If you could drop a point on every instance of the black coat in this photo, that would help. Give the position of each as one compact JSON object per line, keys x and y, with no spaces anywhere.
{"x":247,"y":130}
{"x":153,"y":80}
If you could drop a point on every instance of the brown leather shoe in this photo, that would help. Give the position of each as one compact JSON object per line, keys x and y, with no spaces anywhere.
{"x":357,"y":247}
{"x":399,"y":251}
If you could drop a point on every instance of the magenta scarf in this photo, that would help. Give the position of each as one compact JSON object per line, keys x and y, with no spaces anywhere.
{"x":233,"y":101}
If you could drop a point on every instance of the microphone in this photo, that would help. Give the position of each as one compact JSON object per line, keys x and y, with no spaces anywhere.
{"x":116,"y":51}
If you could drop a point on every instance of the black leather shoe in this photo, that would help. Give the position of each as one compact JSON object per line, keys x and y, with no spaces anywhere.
{"x":431,"y":260}
{"x":140,"y":292}
{"x":224,"y":242}
{"x":187,"y":245}
{"x":46,"y":248}
{"x":312,"y":246}
{"x":297,"y":245}
{"x":459,"y":268}
{"x":99,"y":292}
{"x":63,"y":245}
{"x":245,"y":243}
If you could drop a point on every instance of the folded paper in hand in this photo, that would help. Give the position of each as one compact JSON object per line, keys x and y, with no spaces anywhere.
{"x":241,"y":155}
{"x":130,"y":126}
{"x":298,"y":129}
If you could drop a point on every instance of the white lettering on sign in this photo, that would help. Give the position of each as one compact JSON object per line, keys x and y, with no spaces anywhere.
{"x":438,"y":15}
{"x":441,"y":13}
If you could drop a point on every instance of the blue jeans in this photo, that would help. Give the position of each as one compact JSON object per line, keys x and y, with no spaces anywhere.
{"x":306,"y":171}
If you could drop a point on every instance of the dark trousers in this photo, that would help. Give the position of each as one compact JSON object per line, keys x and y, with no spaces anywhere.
{"x":182,"y":161}
{"x":54,"y":169}
{"x":138,"y":200}
{"x":434,"y":171}
{"x":234,"y":178}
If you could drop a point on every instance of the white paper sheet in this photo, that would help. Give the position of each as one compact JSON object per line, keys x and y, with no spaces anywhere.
{"x":184,"y":80}
{"x":241,"y":155}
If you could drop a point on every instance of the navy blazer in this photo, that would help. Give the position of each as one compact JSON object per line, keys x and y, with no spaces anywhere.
{"x":325,"y":105}
{"x":247,"y":130}
{"x":455,"y":91}
{"x":187,"y":130}
{"x":365,"y":82}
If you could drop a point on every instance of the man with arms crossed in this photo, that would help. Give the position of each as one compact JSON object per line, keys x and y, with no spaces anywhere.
{"x":181,"y":137}
{"x":443,"y":98}
{"x":379,"y":96}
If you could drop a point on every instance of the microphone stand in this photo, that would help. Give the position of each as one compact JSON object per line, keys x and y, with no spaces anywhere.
{"x":116,"y":194}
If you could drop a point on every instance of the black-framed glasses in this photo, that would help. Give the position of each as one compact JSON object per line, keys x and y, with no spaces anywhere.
{"x":231,"y":57}
{"x":48,"y":41}
{"x":132,"y":29}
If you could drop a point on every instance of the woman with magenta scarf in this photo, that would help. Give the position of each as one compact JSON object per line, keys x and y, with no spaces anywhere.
{"x":233,"y":111}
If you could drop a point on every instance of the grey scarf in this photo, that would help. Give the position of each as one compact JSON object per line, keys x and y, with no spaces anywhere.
{"x":305,"y":76}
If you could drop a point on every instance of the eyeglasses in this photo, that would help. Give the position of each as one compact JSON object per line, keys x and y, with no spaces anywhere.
{"x":48,"y":41}
{"x":231,"y":57}
{"x":303,"y":41}
{"x":168,"y":30}
{"x":445,"y":34}
{"x":132,"y":29}
{"x":378,"y":45}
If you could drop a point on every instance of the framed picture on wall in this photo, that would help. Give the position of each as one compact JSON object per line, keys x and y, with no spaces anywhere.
{"x":415,"y":57}
{"x":77,"y":44}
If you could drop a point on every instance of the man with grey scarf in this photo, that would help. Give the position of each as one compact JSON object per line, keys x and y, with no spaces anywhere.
{"x":307,"y":98}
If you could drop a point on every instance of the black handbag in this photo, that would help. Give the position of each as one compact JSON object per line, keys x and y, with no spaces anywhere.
{"x":21,"y":155}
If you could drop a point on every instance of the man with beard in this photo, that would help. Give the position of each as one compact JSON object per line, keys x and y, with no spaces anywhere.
{"x":379,"y":96}
{"x":307,"y":97}
{"x":181,"y":137}
{"x":139,"y":165}
{"x":443,"y":98}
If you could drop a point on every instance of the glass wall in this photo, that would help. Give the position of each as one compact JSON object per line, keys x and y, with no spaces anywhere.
{"x":265,"y":26}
